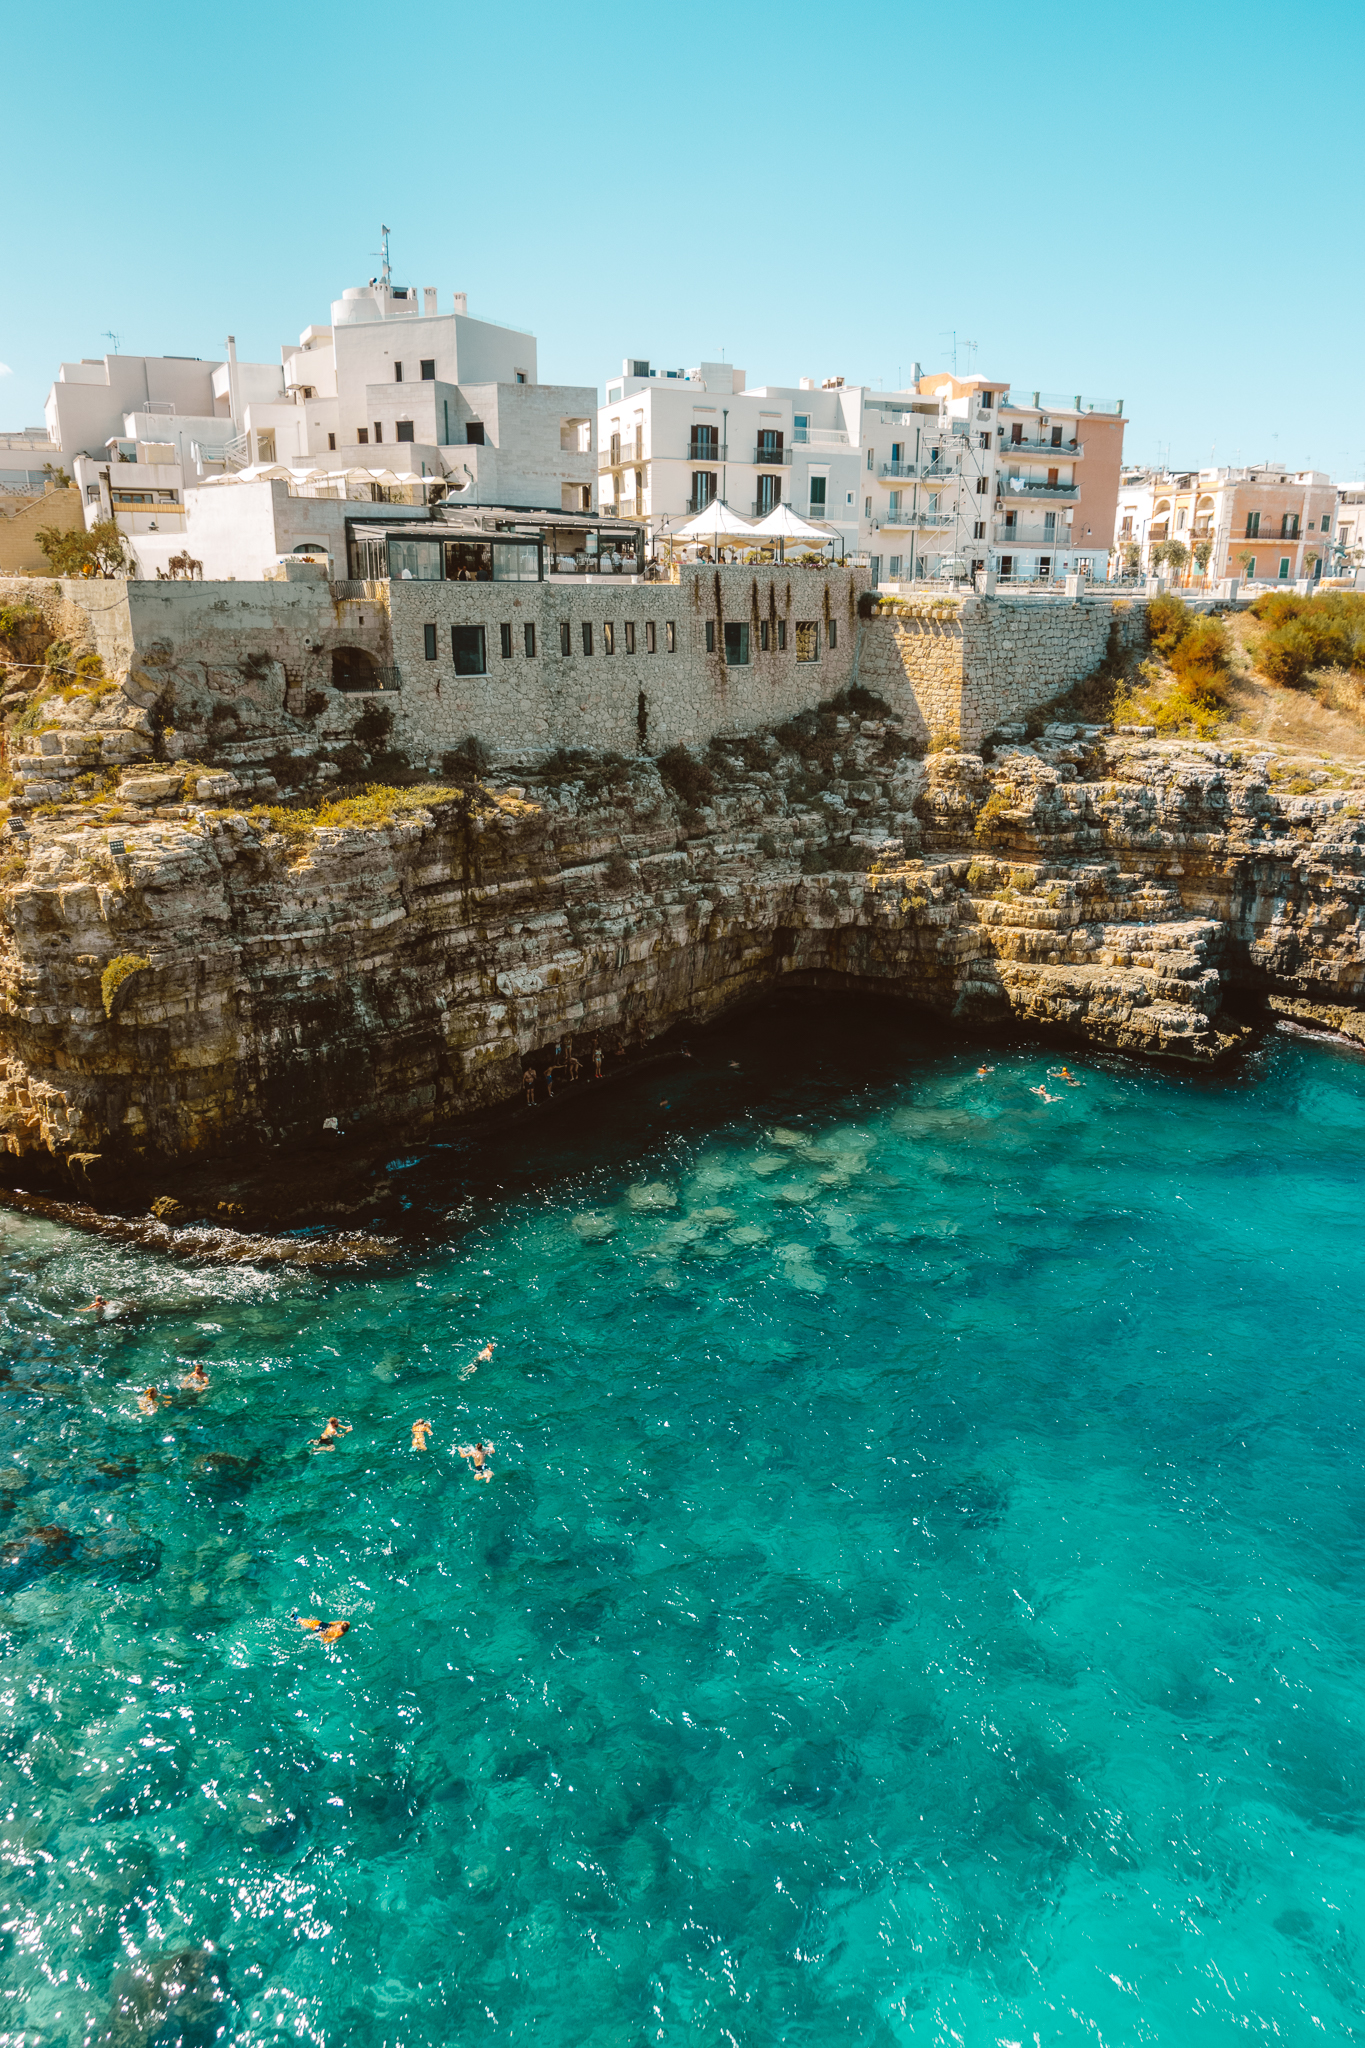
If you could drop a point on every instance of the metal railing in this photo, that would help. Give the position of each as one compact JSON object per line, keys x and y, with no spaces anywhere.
{"x":1065,"y":448}
{"x":237,"y":454}
{"x":771,"y":458}
{"x":901,"y":516}
{"x":819,"y":437}
{"x":701,"y":504}
{"x":815,"y":511}
{"x":1030,"y":537}
{"x":707,"y":451}
{"x":622,"y":458}
{"x":1054,"y":401}
{"x":759,"y":508}
{"x":1020,"y":487}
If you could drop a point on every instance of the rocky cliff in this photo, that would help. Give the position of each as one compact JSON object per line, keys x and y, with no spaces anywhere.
{"x":199,"y":983}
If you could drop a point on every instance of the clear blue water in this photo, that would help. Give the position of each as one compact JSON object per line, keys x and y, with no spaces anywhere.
{"x":918,"y":1597}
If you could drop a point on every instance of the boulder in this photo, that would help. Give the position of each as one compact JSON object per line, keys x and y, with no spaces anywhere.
{"x":148,"y":787}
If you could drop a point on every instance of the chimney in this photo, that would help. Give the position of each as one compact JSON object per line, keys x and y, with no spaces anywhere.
{"x":462,"y":302}
{"x":428,"y":298}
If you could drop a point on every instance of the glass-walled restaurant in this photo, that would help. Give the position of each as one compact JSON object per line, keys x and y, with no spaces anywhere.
{"x":425,"y":554}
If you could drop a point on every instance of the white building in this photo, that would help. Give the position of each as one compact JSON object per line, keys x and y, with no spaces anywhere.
{"x":948,"y":476}
{"x":1348,"y":551}
{"x":391,"y":387}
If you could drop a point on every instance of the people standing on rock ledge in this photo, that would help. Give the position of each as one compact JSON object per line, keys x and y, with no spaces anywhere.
{"x":528,"y":1082}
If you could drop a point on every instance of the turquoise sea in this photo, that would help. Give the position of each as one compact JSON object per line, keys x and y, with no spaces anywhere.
{"x":918,"y":1597}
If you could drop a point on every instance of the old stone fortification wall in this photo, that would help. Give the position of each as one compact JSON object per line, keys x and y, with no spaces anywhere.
{"x":953,"y":669}
{"x":614,"y":695}
{"x":20,"y":554}
{"x":957,"y":669}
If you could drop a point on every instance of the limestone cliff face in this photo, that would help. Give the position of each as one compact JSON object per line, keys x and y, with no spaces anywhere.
{"x":397,"y":975}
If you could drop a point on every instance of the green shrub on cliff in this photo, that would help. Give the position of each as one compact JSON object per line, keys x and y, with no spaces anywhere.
{"x":1327,"y":631}
{"x":1168,"y":620}
{"x":689,"y":779}
{"x":116,"y":973}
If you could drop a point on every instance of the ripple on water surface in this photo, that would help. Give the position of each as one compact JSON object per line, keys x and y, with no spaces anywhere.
{"x":917,"y":1596}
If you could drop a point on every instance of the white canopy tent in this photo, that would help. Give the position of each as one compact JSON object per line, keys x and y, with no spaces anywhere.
{"x":715,"y":523}
{"x":784,"y":524}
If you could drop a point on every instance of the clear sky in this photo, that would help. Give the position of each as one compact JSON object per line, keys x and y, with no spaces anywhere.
{"x":1156,"y":203}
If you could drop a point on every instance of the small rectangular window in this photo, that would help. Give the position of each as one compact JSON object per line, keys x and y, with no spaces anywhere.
{"x":398,"y":373}
{"x":428,"y":369}
{"x":782,"y":636}
{"x":870,"y":454}
{"x":528,"y":639}
{"x":670,"y":637}
{"x":505,"y":636}
{"x":404,"y":430}
{"x":378,"y":431}
{"x":362,"y":435}
{"x":979,"y":530}
{"x":737,"y":645}
{"x":608,"y":637}
{"x":807,"y":640}
{"x":429,"y":642}
{"x":711,"y":633}
{"x":1284,"y":568}
{"x":867,"y":508}
{"x":764,"y":637}
{"x":468,"y":651}
{"x":649,"y":636}
{"x":331,"y":440}
{"x":565,"y":646}
{"x":1253,"y":525}
{"x":985,"y":440}
{"x":587,"y":636}
{"x":473,"y":433}
{"x":987,"y":400}
{"x":1056,"y":437}
{"x":630,"y":636}
{"x":983,"y":484}
{"x":521,"y":376}
{"x":832,"y":634}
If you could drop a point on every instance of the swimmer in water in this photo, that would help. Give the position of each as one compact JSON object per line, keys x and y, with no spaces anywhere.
{"x":334,"y":1429}
{"x":196,"y":1379}
{"x":149,"y":1400}
{"x":98,"y":1302}
{"x":982,"y":1072}
{"x":331,"y":1633}
{"x":420,"y":1432}
{"x":1043,"y":1092}
{"x":1063,"y":1074}
{"x":479,"y":1454}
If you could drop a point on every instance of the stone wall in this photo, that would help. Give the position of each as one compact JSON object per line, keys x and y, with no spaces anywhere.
{"x":613,"y":697}
{"x":20,"y":518}
{"x":956,"y":669}
{"x":953,"y":669}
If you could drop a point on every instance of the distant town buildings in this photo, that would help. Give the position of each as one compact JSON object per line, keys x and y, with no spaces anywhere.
{"x":1260,"y":524}
{"x":950,"y":475}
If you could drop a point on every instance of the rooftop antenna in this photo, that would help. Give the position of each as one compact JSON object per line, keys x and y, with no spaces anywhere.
{"x":384,"y":276}
{"x":109,"y":335}
{"x":973,"y":347}
{"x":953,"y":332}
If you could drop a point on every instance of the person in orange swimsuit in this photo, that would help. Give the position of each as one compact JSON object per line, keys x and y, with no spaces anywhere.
{"x":420,"y":1432}
{"x":331,"y":1633}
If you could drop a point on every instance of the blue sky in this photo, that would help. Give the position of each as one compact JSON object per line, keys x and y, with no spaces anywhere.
{"x":1154,"y":203}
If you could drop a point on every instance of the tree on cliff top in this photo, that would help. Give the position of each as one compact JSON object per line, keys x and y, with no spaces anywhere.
{"x":77,"y":551}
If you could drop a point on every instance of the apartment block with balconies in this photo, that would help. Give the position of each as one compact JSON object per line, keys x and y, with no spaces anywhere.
{"x":672,"y":442}
{"x":1263,"y":525}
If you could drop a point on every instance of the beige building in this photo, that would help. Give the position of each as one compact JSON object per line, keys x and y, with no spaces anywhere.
{"x":1264,"y":525}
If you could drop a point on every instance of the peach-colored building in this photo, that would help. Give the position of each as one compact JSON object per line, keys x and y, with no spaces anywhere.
{"x":1265,"y":525}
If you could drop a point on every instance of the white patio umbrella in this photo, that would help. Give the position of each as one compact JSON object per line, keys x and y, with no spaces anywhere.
{"x":784,"y":524}
{"x":715,"y":522}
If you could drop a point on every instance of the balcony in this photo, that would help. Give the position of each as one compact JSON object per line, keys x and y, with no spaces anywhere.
{"x":930,"y":472}
{"x":702,"y":504}
{"x":1006,"y":537}
{"x":771,"y":458}
{"x":1063,"y":451}
{"x":819,"y":437}
{"x":1031,"y":492}
{"x":759,"y":508}
{"x":622,"y":458}
{"x":707,"y":451}
{"x":904,"y":517}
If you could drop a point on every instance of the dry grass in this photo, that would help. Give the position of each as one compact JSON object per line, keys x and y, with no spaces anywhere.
{"x":1326,"y":717}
